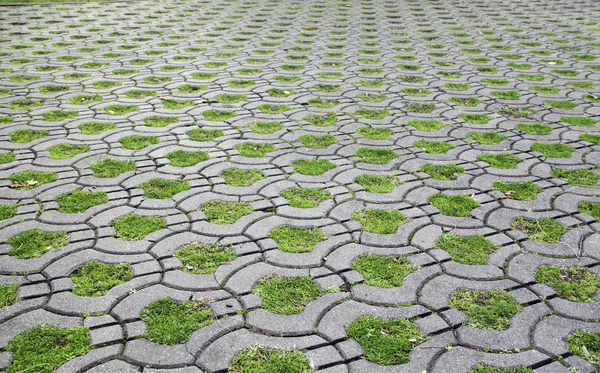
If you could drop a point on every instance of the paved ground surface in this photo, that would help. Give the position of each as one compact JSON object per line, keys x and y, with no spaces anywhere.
{"x":346,"y":53}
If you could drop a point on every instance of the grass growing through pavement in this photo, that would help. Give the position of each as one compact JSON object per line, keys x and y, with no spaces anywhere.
{"x":135,"y":142}
{"x":378,"y":184}
{"x":218,"y":115}
{"x":540,"y":230}
{"x":241,"y":178}
{"x":200,"y":258}
{"x":372,"y":114}
{"x":375,"y":155}
{"x":183,"y":158}
{"x":317,"y":142}
{"x":66,"y":151}
{"x":555,"y":150}
{"x":454,"y":205}
{"x":200,"y":134}
{"x":297,"y":240}
{"x":380,"y":221}
{"x":7,"y":157}
{"x":475,"y":118}
{"x":163,"y":188}
{"x":534,"y":129}
{"x":485,"y":369}
{"x":8,"y":295}
{"x":433,"y":147}
{"x":576,"y":284}
{"x":172,"y":323}
{"x":159,"y":121}
{"x":31,"y":179}
{"x":96,"y":128}
{"x":134,"y":227}
{"x":375,"y":133}
{"x":222,"y":212}
{"x":520,"y":191}
{"x":8,"y":211}
{"x":95,"y":279}
{"x":426,"y":125}
{"x":585,"y":345}
{"x":34,"y":243}
{"x":321,"y":120}
{"x":467,"y":249}
{"x":58,"y":115}
{"x":273,"y":109}
{"x":23,"y":136}
{"x":108,"y":167}
{"x":254,"y":150}
{"x":304,"y":197}
{"x":312,"y":167}
{"x":78,"y":201}
{"x":581,"y":177}
{"x":286,"y":295}
{"x":383,"y":341}
{"x":265,"y":128}
{"x":486,"y":309}
{"x":383,"y":271}
{"x":501,"y":160}
{"x":259,"y":359}
{"x":590,"y":208}
{"x":594,"y":139}
{"x":486,"y":138}
{"x":579,"y":121}
{"x":442,"y":172}
{"x":44,"y":348}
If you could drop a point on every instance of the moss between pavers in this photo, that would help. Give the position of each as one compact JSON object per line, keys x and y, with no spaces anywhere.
{"x":442,"y":172}
{"x":240,"y":177}
{"x":183,"y":158}
{"x":8,"y":211}
{"x":467,"y":249}
{"x":486,"y":309}
{"x":8,"y":295}
{"x":576,"y":284}
{"x":66,"y":151}
{"x":259,"y":359}
{"x":95,"y":279}
{"x":305,"y":197}
{"x":297,"y":240}
{"x":201,"y":258}
{"x":590,"y":208}
{"x":540,"y":230}
{"x":454,"y":205}
{"x":383,"y":271}
{"x":375,"y":155}
{"x":107,"y":168}
{"x":286,"y":295}
{"x":163,"y":188}
{"x":520,"y":191}
{"x":312,"y":167}
{"x":34,"y":243}
{"x":172,"y":323}
{"x":134,"y":227}
{"x":223,"y":212}
{"x":380,"y":221}
{"x":44,"y":348}
{"x":585,"y":345}
{"x":581,"y":177}
{"x":486,"y":369}
{"x":386,"y":342}
{"x":78,"y":201}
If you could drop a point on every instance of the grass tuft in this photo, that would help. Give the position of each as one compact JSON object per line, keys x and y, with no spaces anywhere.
{"x":163,"y":188}
{"x":486,"y":309}
{"x":200,"y":258}
{"x":297,"y":240}
{"x":576,"y":284}
{"x":241,"y":178}
{"x":383,"y":271}
{"x":585,"y":345}
{"x":34,"y":243}
{"x":222,"y":212}
{"x":305,"y":198}
{"x":454,"y":205}
{"x":442,"y":172}
{"x":520,"y":191}
{"x":540,"y":230}
{"x":286,"y":295}
{"x":95,"y":279}
{"x":259,"y":359}
{"x":312,"y":167}
{"x":467,"y":249}
{"x":380,"y":221}
{"x":134,"y":227}
{"x":78,"y":201}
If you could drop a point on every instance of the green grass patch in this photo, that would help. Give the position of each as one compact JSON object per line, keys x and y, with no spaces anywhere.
{"x":375,"y":155}
{"x":134,"y":227}
{"x":383,"y":271}
{"x":203,"y":135}
{"x":576,"y":284}
{"x":255,"y":150}
{"x":239,"y":83}
{"x":372,"y":97}
{"x":426,"y":125}
{"x":380,"y":221}
{"x":372,"y":114}
{"x":585,"y":345}
{"x":540,"y":230}
{"x":34,"y":243}
{"x":322,"y":103}
{"x":579,"y":121}
{"x":501,"y":160}
{"x":486,"y":309}
{"x":265,"y":128}
{"x":454,"y":205}
{"x":24,"y":136}
{"x":78,"y":201}
{"x":486,"y":369}
{"x":465,"y":101}
{"x":317,"y":142}
{"x":138,"y":94}
{"x":95,"y":279}
{"x":273,"y":109}
{"x":297,"y":240}
{"x":506,"y":95}
{"x":281,"y":93}
{"x":433,"y":147}
{"x":321,"y":120}
{"x":312,"y":167}
{"x":8,"y":295}
{"x":111,"y":168}
{"x":226,"y":98}
{"x":170,"y":323}
{"x":534,"y":129}
{"x":96,"y":128}
{"x":520,"y":191}
{"x":136,"y":142}
{"x":120,"y":109}
{"x":31,"y":179}
{"x":442,"y":172}
{"x":24,"y":104}
{"x":553,"y":150}
{"x":286,"y":295}
{"x":183,"y":158}
{"x":377,"y":184}
{"x":241,"y":178}
{"x":44,"y":348}
{"x":7,"y":157}
{"x":8,"y":211}
{"x":565,"y":105}
{"x":66,"y":151}
{"x":163,"y":188}
{"x":200,"y":258}
{"x":486,"y":138}
{"x":589,"y":208}
{"x":304,"y":197}
{"x":467,"y":249}
{"x":475,"y":118}
{"x":384,"y":341}
{"x":222,"y":212}
{"x":594,"y":139}
{"x":375,"y":133}
{"x":85,"y":99}
{"x":259,"y":359}
{"x":218,"y":115}
{"x":581,"y":177}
